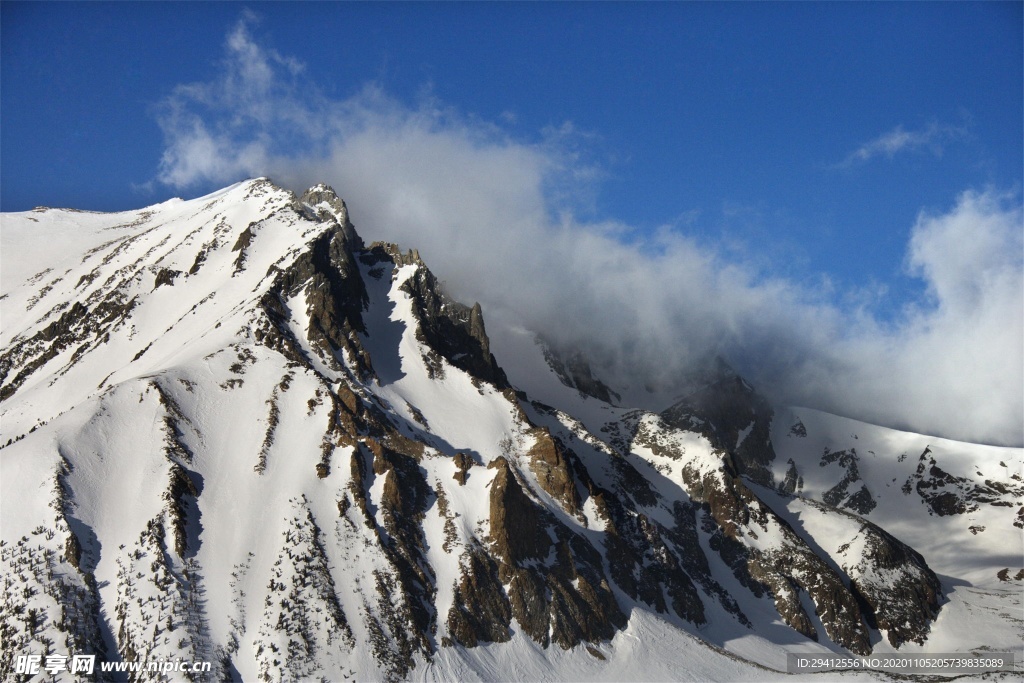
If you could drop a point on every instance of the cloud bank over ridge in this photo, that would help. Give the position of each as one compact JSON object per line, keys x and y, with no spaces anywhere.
{"x":492,"y":216}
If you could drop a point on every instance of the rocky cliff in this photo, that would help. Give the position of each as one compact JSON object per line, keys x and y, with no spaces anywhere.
{"x":237,"y":433}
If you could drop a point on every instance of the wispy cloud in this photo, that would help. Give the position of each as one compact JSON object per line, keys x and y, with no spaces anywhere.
{"x":932,"y":138}
{"x":490,"y":213}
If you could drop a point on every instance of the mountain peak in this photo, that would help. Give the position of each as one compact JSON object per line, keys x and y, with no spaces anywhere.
{"x":236,"y":434}
{"x":323,"y":202}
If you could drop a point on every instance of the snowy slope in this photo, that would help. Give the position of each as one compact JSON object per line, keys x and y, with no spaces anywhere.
{"x":230,"y":431}
{"x":960,"y":505}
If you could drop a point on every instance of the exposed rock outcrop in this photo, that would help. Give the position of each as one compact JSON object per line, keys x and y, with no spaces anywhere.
{"x":354,"y":544}
{"x":735,"y":419}
{"x":900,"y":591}
{"x":574,"y":371}
{"x":555,"y":578}
{"x":861,"y":501}
{"x":947,"y":494}
{"x":782,"y":569}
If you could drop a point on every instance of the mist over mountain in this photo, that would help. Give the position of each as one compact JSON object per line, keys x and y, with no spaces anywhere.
{"x":501,"y":221}
{"x":235,"y":430}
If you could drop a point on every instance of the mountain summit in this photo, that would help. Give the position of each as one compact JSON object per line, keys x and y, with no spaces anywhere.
{"x":233,"y":432}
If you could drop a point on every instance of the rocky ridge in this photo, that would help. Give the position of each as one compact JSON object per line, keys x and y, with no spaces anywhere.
{"x":400,"y":496}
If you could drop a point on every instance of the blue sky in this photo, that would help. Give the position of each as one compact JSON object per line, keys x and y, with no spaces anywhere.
{"x":733,"y":120}
{"x":801,"y":147}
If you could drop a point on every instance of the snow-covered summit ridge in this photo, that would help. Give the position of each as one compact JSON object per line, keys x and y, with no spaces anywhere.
{"x":321,"y":199}
{"x":231,"y":431}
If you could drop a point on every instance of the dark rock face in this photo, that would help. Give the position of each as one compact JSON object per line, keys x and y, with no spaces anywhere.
{"x":446,"y":328}
{"x":79,"y":326}
{"x":578,"y":532}
{"x":321,"y":203}
{"x":241,"y":245}
{"x":574,"y":371}
{"x":328,"y":274}
{"x":657,"y":564}
{"x":402,"y":507}
{"x":452,"y":330}
{"x":555,"y":578}
{"x":180,"y":486}
{"x":723,"y":411}
{"x":947,"y":494}
{"x":550,"y":464}
{"x":517,"y":528}
{"x":861,"y":502}
{"x":335,"y":295}
{"x":793,"y":481}
{"x":887,"y":585}
{"x":482,"y":612}
{"x":166,"y":276}
{"x":463,"y":462}
{"x":783,"y":572}
{"x":649,"y":561}
{"x":906,"y":600}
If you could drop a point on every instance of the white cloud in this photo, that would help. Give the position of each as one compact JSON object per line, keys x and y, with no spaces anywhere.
{"x":488,"y":213}
{"x":932,"y":138}
{"x":255,"y":110}
{"x":954,"y":365}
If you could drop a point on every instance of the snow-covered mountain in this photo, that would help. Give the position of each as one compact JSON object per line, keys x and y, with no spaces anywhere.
{"x":230,"y":431}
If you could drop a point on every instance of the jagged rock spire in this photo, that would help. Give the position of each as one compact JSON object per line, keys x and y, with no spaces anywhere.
{"x":321,"y":203}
